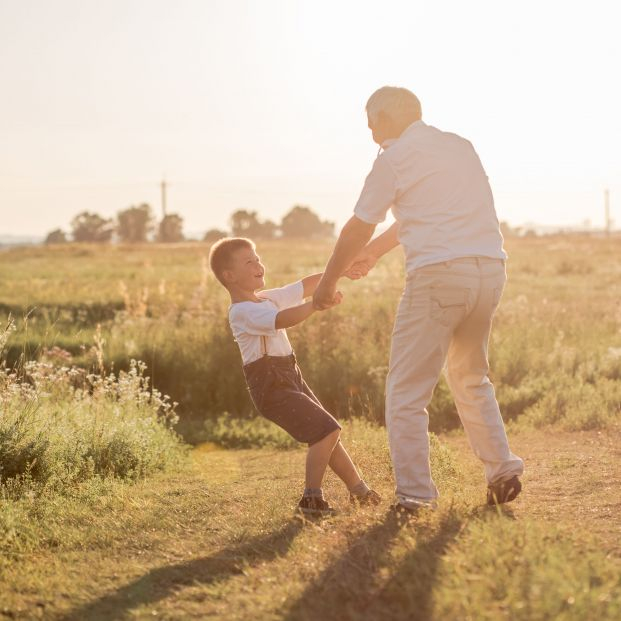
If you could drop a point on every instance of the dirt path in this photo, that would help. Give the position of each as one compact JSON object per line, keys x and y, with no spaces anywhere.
{"x":571,"y":478}
{"x":193,"y":544}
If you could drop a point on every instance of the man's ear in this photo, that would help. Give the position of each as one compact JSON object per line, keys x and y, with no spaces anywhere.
{"x":383,"y":120}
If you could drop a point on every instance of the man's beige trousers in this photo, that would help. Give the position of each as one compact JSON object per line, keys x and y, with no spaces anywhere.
{"x":445,"y":316}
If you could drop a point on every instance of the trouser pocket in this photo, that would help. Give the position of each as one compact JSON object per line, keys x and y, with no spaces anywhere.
{"x":447,"y":306}
{"x":267,"y":381}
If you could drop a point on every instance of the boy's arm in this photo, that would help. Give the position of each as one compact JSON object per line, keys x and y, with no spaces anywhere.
{"x":353,"y":238}
{"x":310,"y":283}
{"x":374,"y":250}
{"x":383,"y":243}
{"x":297,"y":314}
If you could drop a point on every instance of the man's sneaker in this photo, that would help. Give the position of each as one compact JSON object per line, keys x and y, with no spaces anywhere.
{"x":503,"y":491}
{"x":315,"y":506}
{"x":371,"y":498}
{"x":412,"y":506}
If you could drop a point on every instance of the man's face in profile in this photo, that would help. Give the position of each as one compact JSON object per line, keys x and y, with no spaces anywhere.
{"x":377,"y":137}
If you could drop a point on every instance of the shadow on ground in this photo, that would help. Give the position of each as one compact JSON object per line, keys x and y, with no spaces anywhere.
{"x":161,"y":582}
{"x":366,"y":582}
{"x":350,"y":588}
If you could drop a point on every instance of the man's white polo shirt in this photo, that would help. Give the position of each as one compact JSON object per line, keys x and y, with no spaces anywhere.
{"x":439,"y":194}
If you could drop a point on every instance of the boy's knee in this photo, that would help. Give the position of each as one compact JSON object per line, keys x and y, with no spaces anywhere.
{"x":330,"y":438}
{"x":334,"y":436}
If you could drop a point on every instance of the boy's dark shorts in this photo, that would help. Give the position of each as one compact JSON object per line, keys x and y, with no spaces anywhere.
{"x":281,"y":395}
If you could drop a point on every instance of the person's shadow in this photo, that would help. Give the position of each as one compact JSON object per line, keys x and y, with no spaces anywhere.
{"x":348,"y":588}
{"x":158,"y":583}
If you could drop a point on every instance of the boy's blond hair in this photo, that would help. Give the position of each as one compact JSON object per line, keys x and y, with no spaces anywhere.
{"x":222,"y":252}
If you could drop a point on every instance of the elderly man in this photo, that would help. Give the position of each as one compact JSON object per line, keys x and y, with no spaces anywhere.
{"x":446,"y":222}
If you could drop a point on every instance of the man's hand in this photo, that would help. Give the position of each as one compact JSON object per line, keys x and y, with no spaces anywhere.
{"x":356,"y":271}
{"x":326,"y":296}
{"x":362,"y":264}
{"x":353,"y":238}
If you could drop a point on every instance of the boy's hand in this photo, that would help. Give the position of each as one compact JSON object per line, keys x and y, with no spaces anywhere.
{"x":336,"y":300}
{"x":361,"y":265}
{"x":326,"y":296}
{"x":356,"y":271}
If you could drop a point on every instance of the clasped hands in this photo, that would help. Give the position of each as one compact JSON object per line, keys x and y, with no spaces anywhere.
{"x":326,"y":295}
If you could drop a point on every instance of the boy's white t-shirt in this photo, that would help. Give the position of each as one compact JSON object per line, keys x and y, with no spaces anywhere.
{"x":252,"y":320}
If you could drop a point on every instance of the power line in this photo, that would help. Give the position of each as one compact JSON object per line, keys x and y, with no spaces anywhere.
{"x":163,"y":189}
{"x":607,"y":220}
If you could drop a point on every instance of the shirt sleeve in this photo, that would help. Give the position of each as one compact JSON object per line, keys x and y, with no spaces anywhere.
{"x":378,"y":194}
{"x":285,"y":297}
{"x":253,"y":318}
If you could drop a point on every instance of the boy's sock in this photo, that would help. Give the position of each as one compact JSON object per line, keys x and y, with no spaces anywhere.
{"x":360,"y":489}
{"x":310,"y":492}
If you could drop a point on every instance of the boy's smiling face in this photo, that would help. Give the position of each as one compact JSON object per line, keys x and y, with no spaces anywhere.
{"x":246,"y":271}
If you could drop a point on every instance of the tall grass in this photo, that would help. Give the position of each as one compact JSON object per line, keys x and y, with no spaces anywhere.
{"x":554,"y":348}
{"x":522,"y":571}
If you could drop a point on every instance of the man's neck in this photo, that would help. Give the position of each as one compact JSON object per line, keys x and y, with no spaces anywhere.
{"x":401,"y":129}
{"x":390,"y":141}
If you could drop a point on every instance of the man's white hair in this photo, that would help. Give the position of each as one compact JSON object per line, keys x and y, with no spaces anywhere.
{"x":398,"y":103}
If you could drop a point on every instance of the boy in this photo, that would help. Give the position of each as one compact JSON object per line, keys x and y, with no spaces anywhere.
{"x":259,"y":319}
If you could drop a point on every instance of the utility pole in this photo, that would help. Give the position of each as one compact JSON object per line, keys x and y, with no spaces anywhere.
{"x":163,"y":188}
{"x":607,"y":210}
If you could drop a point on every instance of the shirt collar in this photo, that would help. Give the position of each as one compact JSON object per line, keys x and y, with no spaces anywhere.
{"x":407,"y":130}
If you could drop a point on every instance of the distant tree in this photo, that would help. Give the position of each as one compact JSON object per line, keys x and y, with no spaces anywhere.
{"x":134,"y":224}
{"x":91,"y":227}
{"x":245,"y":224}
{"x":508,"y":231}
{"x":170,"y":229}
{"x":304,"y":222}
{"x":268,"y":229}
{"x":213,"y":235}
{"x":57,"y":236}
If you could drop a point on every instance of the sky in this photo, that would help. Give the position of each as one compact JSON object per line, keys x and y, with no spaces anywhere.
{"x":260,"y":104}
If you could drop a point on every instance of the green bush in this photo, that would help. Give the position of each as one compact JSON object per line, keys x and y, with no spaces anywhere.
{"x":114,"y":426}
{"x":65,"y":436}
{"x":577,"y":406}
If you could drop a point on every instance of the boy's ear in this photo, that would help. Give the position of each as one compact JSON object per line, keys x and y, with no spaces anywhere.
{"x":228,"y":276}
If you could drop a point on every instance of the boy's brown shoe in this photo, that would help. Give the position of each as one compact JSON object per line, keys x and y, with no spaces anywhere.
{"x":371,"y":498}
{"x":315,"y":507}
{"x":503,"y":491}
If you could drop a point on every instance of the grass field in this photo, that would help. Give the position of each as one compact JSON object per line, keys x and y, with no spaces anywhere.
{"x":555,"y":353}
{"x":202,"y":543}
{"x":106,"y":514}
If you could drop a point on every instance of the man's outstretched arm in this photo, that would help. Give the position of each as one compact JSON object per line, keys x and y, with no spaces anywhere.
{"x":309,"y":283}
{"x":383,"y":243}
{"x":366,"y":259}
{"x":353,"y":238}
